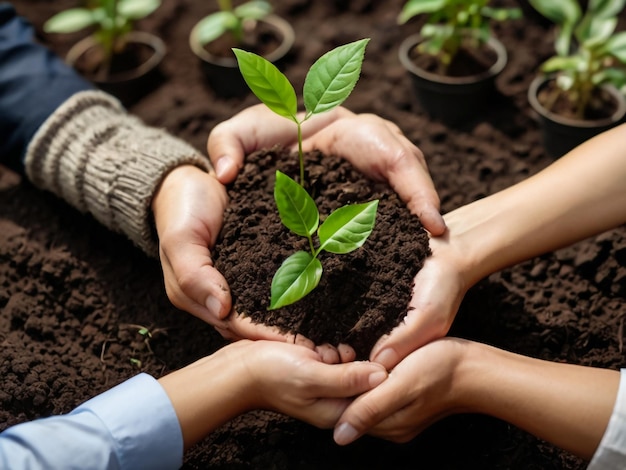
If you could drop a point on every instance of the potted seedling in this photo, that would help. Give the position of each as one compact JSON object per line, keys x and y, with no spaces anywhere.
{"x":250,"y":26}
{"x":115,"y":57}
{"x":579,"y":91}
{"x":275,"y":246}
{"x":454,"y":59}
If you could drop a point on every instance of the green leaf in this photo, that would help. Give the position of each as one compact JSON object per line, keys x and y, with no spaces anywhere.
{"x":296,"y":208}
{"x":69,"y":21}
{"x":558,"y":63}
{"x":137,"y":9}
{"x":560,"y":12}
{"x":417,"y":7}
{"x":605,"y":8}
{"x":297,"y":276}
{"x":616,"y":46}
{"x":332,"y":77}
{"x":268,"y":83}
{"x":254,"y":10}
{"x":214,"y":25}
{"x":596,"y":31}
{"x":347,"y":228}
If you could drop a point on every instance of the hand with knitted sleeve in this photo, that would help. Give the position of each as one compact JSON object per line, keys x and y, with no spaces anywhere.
{"x":142,"y":182}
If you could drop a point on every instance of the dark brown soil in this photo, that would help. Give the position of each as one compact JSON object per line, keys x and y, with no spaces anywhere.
{"x":375,"y":280}
{"x":466,"y":62}
{"x":69,"y":290}
{"x":602,"y":105}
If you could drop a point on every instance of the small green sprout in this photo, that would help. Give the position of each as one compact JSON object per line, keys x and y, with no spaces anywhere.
{"x":136,"y":362}
{"x":113,"y":19}
{"x":328,"y":83}
{"x":232,"y":20}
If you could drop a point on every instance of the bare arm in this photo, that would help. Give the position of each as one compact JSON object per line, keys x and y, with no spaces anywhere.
{"x":579,"y":195}
{"x":568,"y":405}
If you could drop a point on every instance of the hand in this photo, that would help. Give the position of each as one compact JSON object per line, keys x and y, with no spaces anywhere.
{"x":249,"y":375}
{"x":188,"y":211}
{"x":421,"y":390}
{"x":295,"y":381}
{"x":373,"y":145}
{"x":439,"y":288}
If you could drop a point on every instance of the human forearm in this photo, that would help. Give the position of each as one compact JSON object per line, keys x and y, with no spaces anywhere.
{"x":580,"y":195}
{"x":103,"y":161}
{"x":208,"y":393}
{"x":565,"y":404}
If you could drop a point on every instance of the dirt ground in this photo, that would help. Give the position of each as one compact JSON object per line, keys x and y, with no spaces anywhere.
{"x":69,"y":289}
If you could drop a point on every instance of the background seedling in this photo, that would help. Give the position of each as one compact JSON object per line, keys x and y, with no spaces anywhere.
{"x":112,"y":19}
{"x":231,"y":20}
{"x":328,"y":83}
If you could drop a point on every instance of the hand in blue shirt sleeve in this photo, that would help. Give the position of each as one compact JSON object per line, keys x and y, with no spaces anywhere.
{"x":131,"y":426}
{"x":34,"y":81}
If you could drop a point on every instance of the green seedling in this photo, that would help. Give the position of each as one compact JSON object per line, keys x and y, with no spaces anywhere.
{"x":328,"y":83}
{"x":231,"y":20}
{"x":112,"y":19}
{"x":451,"y":22}
{"x":588,"y":51}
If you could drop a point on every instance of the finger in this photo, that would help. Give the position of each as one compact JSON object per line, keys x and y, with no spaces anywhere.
{"x":328,"y":353}
{"x":343,"y":380}
{"x":365,"y":412}
{"x":195,"y":285}
{"x":252,"y":129}
{"x":239,"y":326}
{"x":346,"y":353}
{"x":417,"y":329}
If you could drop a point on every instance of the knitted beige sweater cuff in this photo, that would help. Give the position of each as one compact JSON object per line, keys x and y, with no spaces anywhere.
{"x":103,"y":161}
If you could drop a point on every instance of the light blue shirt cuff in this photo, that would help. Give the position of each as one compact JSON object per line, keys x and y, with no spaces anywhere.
{"x":130,"y":426}
{"x":611,"y":453}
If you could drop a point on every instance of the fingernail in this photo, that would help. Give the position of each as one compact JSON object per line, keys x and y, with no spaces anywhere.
{"x":387,"y":357}
{"x":214,"y":306}
{"x":376,"y":378}
{"x":222,"y":166}
{"x":344,"y":434}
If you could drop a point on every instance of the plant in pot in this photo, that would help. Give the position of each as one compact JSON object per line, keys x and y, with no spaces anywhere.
{"x":116,"y":57}
{"x":250,"y":26}
{"x":579,"y":92}
{"x":363,"y":292}
{"x":454,"y":60}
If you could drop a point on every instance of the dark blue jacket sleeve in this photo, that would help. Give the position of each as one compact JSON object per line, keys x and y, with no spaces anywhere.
{"x":33,"y":83}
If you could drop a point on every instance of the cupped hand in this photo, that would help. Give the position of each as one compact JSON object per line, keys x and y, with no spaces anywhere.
{"x":419,"y":391}
{"x":295,"y":381}
{"x":439,"y":288}
{"x":375,"y":146}
{"x":188,"y":210}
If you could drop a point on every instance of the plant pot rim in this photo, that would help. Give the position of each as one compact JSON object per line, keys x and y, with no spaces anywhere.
{"x":141,"y":37}
{"x":283,"y":26}
{"x":541,"y":79}
{"x":415,"y":39}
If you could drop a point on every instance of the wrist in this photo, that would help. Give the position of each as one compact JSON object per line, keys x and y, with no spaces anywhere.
{"x":478,"y":240}
{"x":208,"y":393}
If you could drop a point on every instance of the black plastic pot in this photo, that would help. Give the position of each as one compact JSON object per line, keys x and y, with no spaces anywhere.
{"x":561,"y":134}
{"x":222,"y":73}
{"x":128,"y":85}
{"x":452,"y":100}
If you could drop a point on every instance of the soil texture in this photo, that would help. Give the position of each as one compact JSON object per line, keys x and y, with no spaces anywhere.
{"x":72,"y":294}
{"x":374,"y":281}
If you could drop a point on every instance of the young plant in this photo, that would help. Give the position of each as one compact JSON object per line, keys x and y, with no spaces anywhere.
{"x":329,"y":81}
{"x":113,"y":19}
{"x":450,"y":23}
{"x":588,"y":51}
{"x":231,"y":20}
